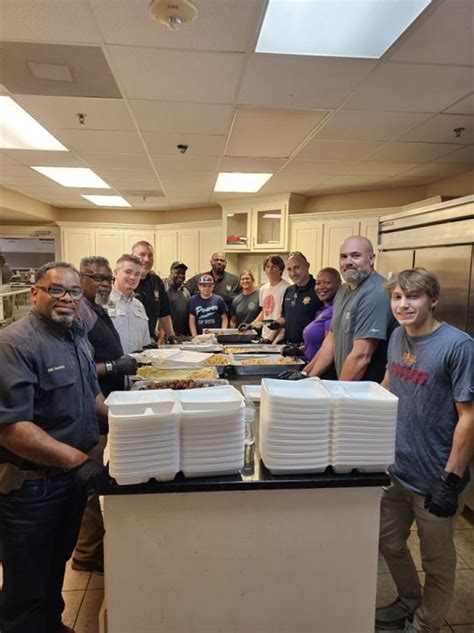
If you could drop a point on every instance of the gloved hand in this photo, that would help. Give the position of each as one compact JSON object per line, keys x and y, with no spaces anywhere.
{"x":291,"y":374}
{"x":243,"y":327}
{"x":151,"y":345}
{"x":264,"y":341}
{"x":290,"y":350}
{"x":274,"y":325}
{"x":124,"y":366}
{"x":443,"y":498}
{"x":172,"y":340}
{"x":91,"y":475}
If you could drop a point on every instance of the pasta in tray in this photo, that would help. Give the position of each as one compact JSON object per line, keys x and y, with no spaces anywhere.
{"x":155,"y":373}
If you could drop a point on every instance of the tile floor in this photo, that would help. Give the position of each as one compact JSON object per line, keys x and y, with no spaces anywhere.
{"x":83,"y":592}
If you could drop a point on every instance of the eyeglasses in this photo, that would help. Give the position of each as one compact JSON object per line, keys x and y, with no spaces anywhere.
{"x":99,"y":278}
{"x":56,"y":291}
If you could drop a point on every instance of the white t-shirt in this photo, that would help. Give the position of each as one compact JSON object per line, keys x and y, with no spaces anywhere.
{"x":271,"y":299}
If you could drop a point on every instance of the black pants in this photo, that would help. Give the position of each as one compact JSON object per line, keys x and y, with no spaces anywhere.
{"x":39,"y":525}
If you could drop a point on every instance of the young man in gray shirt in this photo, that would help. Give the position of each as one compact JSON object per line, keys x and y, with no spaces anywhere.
{"x":431,"y":370}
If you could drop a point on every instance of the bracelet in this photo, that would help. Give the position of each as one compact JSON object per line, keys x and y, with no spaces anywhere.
{"x":109,"y":367}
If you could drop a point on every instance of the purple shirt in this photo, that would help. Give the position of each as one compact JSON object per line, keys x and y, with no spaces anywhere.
{"x":314,"y":332}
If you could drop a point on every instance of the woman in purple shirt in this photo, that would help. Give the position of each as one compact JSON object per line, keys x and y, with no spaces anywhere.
{"x":327,"y":284}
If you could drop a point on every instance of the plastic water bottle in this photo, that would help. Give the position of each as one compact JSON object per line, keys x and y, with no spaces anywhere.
{"x":250,"y":415}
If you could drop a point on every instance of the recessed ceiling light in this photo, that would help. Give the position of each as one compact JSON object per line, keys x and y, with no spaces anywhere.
{"x":51,"y":72}
{"x":107,"y":201}
{"x":73,"y":176}
{"x":18,"y":130}
{"x":236,"y":182}
{"x":336,"y":28}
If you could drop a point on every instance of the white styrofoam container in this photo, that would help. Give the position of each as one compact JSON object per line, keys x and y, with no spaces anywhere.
{"x":137,"y":402}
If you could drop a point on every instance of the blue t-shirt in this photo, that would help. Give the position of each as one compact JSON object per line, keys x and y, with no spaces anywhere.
{"x":428,"y":374}
{"x":207,"y":311}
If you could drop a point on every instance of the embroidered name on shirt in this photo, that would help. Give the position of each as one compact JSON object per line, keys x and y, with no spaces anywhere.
{"x":409,"y":374}
{"x":57,"y":368}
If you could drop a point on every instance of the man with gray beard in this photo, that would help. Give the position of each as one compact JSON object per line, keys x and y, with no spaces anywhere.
{"x":362,"y":320}
{"x":112,"y":367}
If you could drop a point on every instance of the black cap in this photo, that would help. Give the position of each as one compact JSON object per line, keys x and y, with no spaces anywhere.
{"x":178,"y":265}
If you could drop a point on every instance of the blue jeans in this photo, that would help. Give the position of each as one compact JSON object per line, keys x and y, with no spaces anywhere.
{"x":39,"y":525}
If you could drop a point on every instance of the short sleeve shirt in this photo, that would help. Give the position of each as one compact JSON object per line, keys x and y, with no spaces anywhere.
{"x":227,"y":287}
{"x":179,"y":305}
{"x":363,"y":313}
{"x":271,"y":299}
{"x":130,"y":320}
{"x":245,"y":308}
{"x":314,"y":332}
{"x":300,"y":304}
{"x":208,"y":312}
{"x":49,"y":378}
{"x":151,"y":292}
{"x":429,"y":374}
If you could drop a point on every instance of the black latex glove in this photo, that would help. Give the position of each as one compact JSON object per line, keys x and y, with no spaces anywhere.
{"x":291,"y":374}
{"x":172,"y":340}
{"x":290,"y":350}
{"x":443,"y":498}
{"x":91,"y":475}
{"x":264,"y":341}
{"x":243,"y":327}
{"x":124,"y":366}
{"x":274,"y":325}
{"x":152,"y":345}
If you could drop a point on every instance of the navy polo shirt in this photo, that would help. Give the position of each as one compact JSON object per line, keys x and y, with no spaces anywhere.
{"x":299,"y":308}
{"x":48,"y":377}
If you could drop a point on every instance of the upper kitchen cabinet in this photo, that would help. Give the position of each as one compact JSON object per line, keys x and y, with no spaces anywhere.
{"x":76,"y":243}
{"x":109,"y":243}
{"x":259,"y":225}
{"x":133,"y":236}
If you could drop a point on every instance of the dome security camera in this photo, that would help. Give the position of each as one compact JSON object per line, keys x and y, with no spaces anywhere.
{"x":182,"y":148}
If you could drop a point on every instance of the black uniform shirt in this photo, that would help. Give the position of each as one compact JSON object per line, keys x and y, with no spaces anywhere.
{"x":151,"y":292}
{"x":226,"y":287}
{"x":48,"y":377}
{"x":299,"y":308}
{"x":179,"y":305}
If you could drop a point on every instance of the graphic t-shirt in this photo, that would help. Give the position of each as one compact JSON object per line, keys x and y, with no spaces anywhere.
{"x":207,"y":311}
{"x":246,"y":308}
{"x":271,"y":299}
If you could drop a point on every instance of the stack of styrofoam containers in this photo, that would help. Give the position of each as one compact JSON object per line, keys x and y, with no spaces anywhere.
{"x":143,"y":436}
{"x":295,"y":426}
{"x":212,"y":431}
{"x":364,"y":424}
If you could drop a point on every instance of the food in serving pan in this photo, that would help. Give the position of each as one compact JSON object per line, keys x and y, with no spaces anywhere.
{"x":175,"y":384}
{"x":155,"y":373}
{"x":217,"y":359}
{"x":271,"y":361}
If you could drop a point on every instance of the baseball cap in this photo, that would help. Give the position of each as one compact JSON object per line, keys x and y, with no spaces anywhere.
{"x":178,"y":265}
{"x":205,"y":279}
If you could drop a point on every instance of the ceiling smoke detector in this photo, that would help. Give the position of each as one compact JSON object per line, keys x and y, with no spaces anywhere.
{"x":173,"y":13}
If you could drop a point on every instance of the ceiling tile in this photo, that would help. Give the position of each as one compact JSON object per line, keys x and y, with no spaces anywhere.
{"x":412,"y":152}
{"x":97,"y":140}
{"x":46,"y":21}
{"x":356,"y":182}
{"x":288,"y":81}
{"x":61,"y":112}
{"x":177,"y":165}
{"x":338,"y":150}
{"x":465,"y":155}
{"x":437,"y":170}
{"x":116,"y":161}
{"x":271,"y":132}
{"x":412,"y":88}
{"x":221,"y":26}
{"x":198,"y":144}
{"x":147,"y":73}
{"x":45,"y":158}
{"x":174,"y":117}
{"x":7,"y":159}
{"x":253,"y":165}
{"x":346,"y":168}
{"x":440,"y":129}
{"x":465,"y":106}
{"x":370,"y":126}
{"x":406,"y":181}
{"x":443,"y":35}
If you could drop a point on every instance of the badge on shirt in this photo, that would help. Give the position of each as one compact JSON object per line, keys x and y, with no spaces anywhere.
{"x":408,"y":358}
{"x":228,"y":288}
{"x":157,"y":295}
{"x":111,"y":304}
{"x":347,"y":315}
{"x":306,"y":300}
{"x":251,"y":305}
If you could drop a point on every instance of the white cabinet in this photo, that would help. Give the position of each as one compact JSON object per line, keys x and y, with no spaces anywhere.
{"x":109,"y":243}
{"x":188,"y":250}
{"x":210,"y":241}
{"x":166,"y":250}
{"x":131,"y":237}
{"x":335,"y":232}
{"x":258,"y":225}
{"x":307,"y":237}
{"x":77,"y":243}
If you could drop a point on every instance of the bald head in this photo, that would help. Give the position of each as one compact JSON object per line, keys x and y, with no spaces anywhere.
{"x":218,"y":263}
{"x":356,"y":259}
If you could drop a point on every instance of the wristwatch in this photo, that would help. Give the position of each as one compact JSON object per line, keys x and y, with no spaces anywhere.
{"x":109,"y":367}
{"x":451,"y":479}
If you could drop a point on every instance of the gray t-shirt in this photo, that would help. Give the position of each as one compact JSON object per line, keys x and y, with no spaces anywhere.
{"x":429,"y":374}
{"x":363,"y":313}
{"x":246,"y":308}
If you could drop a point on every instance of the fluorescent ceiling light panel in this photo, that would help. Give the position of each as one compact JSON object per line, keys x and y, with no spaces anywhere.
{"x":336,"y":28}
{"x":73,"y":177}
{"x":236,"y":182}
{"x":18,"y":130}
{"x":107,"y":201}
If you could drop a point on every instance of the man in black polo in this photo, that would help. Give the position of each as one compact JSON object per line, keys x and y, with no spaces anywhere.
{"x":151,"y":292}
{"x":226,"y":285}
{"x":178,"y":296}
{"x":112,"y":367}
{"x":48,"y":401}
{"x":299,"y":301}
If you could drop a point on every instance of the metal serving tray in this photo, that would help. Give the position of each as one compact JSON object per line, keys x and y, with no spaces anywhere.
{"x":255,"y":348}
{"x":268,"y":368}
{"x":210,"y":382}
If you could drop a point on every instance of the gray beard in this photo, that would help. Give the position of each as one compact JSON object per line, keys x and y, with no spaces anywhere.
{"x":101,"y":300}
{"x":355,"y":276}
{"x":63,"y":320}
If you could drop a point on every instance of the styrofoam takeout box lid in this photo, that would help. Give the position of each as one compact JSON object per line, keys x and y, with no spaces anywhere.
{"x":252,"y":392}
{"x":367,"y":391}
{"x":137,"y":402}
{"x":287,"y":391}
{"x":222,"y":398}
